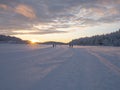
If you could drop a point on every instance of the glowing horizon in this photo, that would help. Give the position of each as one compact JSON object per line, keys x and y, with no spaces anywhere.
{"x":60,"y":20}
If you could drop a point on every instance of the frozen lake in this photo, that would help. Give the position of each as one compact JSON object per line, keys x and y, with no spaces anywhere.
{"x":38,"y":67}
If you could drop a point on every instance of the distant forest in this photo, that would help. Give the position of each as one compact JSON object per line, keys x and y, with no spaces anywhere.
{"x":10,"y":39}
{"x":112,"y":39}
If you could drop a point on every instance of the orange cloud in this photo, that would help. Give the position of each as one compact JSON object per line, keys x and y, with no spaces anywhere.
{"x":26,"y":11}
{"x":109,"y":2}
{"x":98,"y":11}
{"x":113,"y":11}
{"x":3,"y":6}
{"x":118,"y":1}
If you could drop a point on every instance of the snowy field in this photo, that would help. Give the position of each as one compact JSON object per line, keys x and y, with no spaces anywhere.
{"x":29,"y":67}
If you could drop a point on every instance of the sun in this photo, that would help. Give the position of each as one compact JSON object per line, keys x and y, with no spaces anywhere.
{"x":34,"y":41}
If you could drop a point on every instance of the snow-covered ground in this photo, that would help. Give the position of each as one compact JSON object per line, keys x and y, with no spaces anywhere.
{"x":38,"y":67}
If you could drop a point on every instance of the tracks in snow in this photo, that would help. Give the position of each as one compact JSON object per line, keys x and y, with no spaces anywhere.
{"x":106,"y":62}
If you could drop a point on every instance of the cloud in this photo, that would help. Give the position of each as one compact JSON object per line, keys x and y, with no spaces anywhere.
{"x":56,"y":15}
{"x":15,"y":6}
{"x":34,"y":32}
{"x":25,"y":10}
{"x":3,"y":6}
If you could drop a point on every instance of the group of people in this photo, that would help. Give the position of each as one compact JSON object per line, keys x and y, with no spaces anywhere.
{"x":54,"y":45}
{"x":70,"y":45}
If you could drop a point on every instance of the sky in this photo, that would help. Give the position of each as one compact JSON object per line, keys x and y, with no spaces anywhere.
{"x":58,"y":20}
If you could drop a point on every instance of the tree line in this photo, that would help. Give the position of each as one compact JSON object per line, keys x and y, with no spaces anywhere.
{"x":10,"y":39}
{"x":112,"y":39}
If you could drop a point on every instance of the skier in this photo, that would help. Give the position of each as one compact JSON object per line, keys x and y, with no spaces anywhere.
{"x":54,"y":45}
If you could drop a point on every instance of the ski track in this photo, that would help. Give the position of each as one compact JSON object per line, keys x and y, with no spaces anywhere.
{"x":34,"y":66}
{"x":106,"y":62}
{"x":24,"y":67}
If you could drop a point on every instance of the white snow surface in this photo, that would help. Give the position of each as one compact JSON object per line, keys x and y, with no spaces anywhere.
{"x":41,"y":67}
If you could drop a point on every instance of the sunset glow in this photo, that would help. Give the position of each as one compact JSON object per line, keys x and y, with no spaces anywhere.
{"x":34,"y":41}
{"x":58,"y":20}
